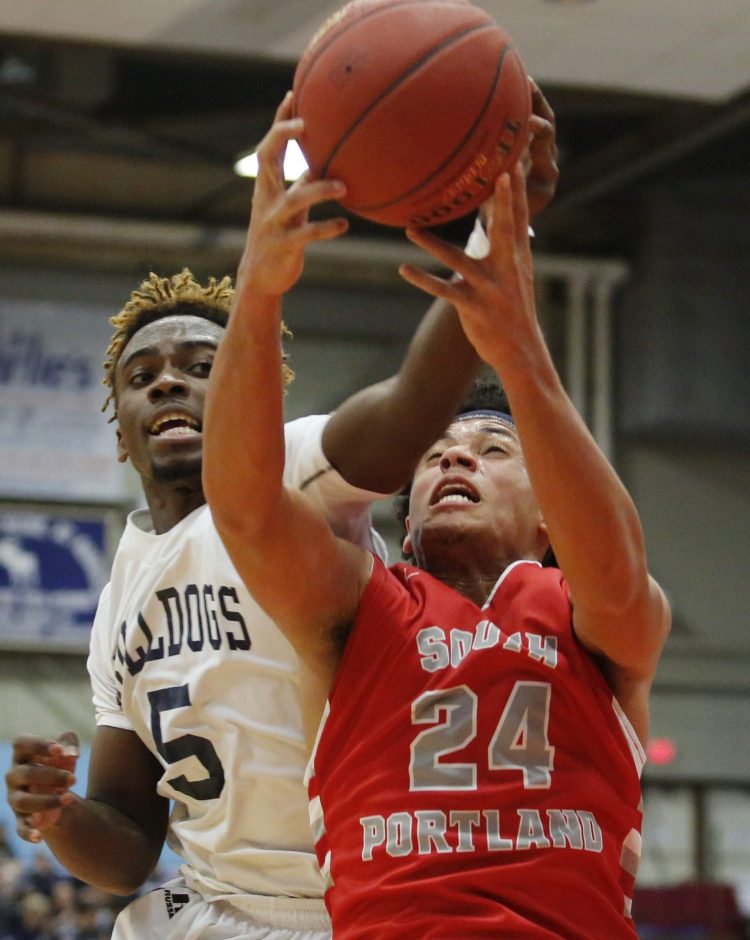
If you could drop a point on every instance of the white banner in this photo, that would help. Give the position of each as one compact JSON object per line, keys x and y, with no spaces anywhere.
{"x":55,"y":443}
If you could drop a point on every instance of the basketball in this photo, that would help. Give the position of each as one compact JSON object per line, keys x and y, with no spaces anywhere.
{"x":416,"y":105}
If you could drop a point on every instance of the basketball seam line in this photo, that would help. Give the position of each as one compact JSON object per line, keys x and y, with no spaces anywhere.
{"x":415,"y":66}
{"x":335,"y":33}
{"x":451,"y":155}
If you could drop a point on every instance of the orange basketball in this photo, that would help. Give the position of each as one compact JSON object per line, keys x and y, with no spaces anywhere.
{"x":417,"y":105}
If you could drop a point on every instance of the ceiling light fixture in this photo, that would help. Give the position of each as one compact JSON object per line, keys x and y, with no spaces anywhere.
{"x":294,"y":163}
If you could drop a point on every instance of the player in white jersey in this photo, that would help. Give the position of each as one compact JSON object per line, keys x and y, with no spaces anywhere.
{"x":206,"y":680}
{"x":195,"y":690}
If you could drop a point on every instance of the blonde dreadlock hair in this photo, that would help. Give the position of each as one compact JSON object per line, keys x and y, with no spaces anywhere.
{"x":160,"y":297}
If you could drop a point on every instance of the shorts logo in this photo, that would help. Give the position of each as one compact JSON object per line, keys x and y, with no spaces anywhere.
{"x":175,"y":902}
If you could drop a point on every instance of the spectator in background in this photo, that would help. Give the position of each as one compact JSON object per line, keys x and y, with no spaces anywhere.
{"x":6,"y":849}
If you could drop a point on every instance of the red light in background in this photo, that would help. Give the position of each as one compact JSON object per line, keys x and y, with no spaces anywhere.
{"x":661,"y":751}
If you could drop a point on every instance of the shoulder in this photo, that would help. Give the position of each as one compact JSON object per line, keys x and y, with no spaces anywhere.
{"x":305,"y":460}
{"x":385,"y":585}
{"x":101,"y":617}
{"x":308,"y":429}
{"x":402,"y":594}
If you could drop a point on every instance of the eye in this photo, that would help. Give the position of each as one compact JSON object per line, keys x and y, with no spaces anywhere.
{"x":202,"y":368}
{"x":433,"y":456}
{"x":140,"y":379}
{"x":495,"y":449}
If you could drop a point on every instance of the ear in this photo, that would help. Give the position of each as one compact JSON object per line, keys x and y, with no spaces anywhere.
{"x":122,"y":451}
{"x":406,"y":546}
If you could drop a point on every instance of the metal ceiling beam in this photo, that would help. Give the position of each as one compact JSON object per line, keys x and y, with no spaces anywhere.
{"x":631,"y":158}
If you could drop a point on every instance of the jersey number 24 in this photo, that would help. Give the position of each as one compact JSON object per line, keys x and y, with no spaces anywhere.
{"x":519,"y":741}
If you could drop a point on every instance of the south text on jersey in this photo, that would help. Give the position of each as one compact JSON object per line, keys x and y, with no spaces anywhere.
{"x":441,"y":648}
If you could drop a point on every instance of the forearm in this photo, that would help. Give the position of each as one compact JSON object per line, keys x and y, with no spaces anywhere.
{"x":593,"y":524}
{"x":244,"y":433}
{"x":305,"y":579}
{"x":102,"y":847}
{"x":375,"y":439}
{"x":619,"y":612}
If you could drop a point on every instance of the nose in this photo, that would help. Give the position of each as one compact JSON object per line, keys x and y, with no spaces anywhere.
{"x":168,"y":384}
{"x":457,"y":456}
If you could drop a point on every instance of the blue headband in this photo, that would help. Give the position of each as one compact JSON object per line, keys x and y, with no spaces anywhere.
{"x":487,"y":413}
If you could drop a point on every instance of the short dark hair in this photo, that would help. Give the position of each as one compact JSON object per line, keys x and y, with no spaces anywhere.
{"x":160,"y":297}
{"x":483,"y":395}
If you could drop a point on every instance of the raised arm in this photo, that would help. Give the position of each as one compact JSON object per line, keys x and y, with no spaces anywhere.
{"x":376,"y":437}
{"x":307,"y":580}
{"x":620,"y":614}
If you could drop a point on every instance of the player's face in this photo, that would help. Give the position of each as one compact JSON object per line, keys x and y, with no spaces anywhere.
{"x":160,"y":387}
{"x":471,"y":488}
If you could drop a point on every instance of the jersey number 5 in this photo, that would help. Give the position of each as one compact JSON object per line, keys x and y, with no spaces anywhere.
{"x":519,"y":742}
{"x":187,"y":745}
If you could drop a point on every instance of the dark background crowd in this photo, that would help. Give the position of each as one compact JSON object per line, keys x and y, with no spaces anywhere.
{"x":39,"y":901}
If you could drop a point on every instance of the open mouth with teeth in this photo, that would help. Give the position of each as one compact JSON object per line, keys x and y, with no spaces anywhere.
{"x":174,"y":425}
{"x":454,"y":493}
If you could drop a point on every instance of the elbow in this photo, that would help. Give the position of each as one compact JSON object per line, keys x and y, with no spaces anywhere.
{"x":121,"y":888}
{"x":133,"y":873}
{"x":639,"y":632}
{"x":123,"y":882}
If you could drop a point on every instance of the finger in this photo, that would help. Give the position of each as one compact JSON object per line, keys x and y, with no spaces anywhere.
{"x":539,"y":104}
{"x":66,"y":751}
{"x":285,"y":109}
{"x":27,"y":748}
{"x":26,"y":831}
{"x":543,"y":174}
{"x":27,"y":804}
{"x":45,"y":776}
{"x":68,"y":741}
{"x":281,"y":131}
{"x":321,"y":231}
{"x":520,"y":208}
{"x":272,"y":148}
{"x":449,"y":255}
{"x":302,"y":196}
{"x":59,"y":761}
{"x":29,"y":826}
{"x":501,"y":231}
{"x":542,"y":131}
{"x":430,"y":283}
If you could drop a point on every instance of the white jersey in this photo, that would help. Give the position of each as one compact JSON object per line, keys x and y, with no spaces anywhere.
{"x":181,"y":655}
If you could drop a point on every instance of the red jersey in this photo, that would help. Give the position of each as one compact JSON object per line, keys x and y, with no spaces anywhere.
{"x":473,"y":774}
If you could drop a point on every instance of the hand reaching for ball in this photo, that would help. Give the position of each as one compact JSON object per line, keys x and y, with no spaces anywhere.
{"x":539,"y":160}
{"x":494,"y":295}
{"x":280,"y":226}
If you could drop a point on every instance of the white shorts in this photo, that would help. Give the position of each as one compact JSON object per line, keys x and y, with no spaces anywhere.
{"x":177,"y":912}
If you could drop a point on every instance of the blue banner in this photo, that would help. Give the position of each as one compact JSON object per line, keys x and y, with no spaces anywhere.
{"x":52,"y":569}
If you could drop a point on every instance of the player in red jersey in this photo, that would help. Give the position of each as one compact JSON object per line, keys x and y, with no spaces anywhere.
{"x":476,"y":771}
